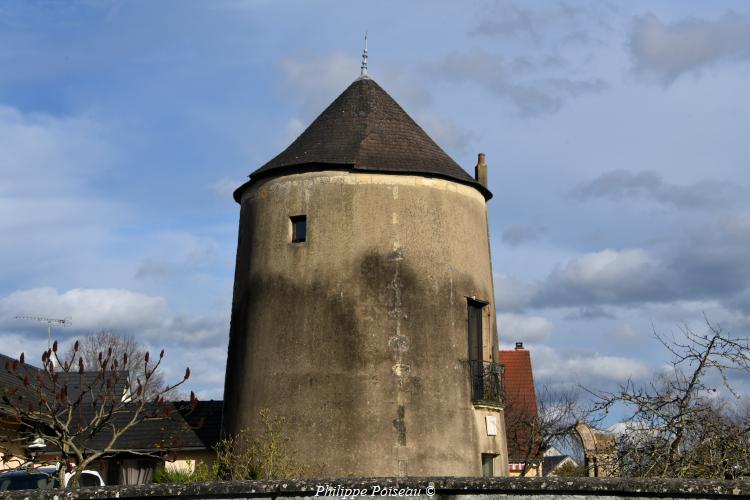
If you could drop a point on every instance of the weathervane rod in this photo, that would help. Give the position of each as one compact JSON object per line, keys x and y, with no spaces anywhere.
{"x":363,"y":68}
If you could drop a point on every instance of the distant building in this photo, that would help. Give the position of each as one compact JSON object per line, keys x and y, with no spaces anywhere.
{"x":555,"y":462}
{"x":363,"y":303}
{"x":551,"y":465}
{"x":600,"y":451}
{"x":521,"y":422}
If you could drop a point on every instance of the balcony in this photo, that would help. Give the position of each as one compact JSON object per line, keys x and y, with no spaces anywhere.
{"x":486,"y":382}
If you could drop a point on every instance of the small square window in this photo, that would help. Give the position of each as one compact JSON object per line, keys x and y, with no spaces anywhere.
{"x":299,"y":228}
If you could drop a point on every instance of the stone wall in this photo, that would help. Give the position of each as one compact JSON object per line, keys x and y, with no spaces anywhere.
{"x":440,"y":488}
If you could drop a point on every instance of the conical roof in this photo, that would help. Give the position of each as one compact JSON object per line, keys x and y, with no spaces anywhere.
{"x":364,"y":129}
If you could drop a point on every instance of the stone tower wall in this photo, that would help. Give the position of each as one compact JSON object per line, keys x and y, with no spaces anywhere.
{"x":359,"y":335}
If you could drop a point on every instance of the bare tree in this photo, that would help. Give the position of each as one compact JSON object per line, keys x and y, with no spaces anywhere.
{"x":681,"y":424}
{"x":102,"y":341}
{"x":531,"y":431}
{"x":71,"y":409}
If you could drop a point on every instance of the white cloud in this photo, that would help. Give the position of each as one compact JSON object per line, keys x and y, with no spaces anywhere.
{"x":562,"y":22}
{"x":317,"y":80}
{"x":46,"y":156}
{"x":606,"y":267}
{"x":511,"y":19}
{"x":294,"y":127}
{"x":630,"y":427}
{"x":705,"y":261}
{"x":444,"y":132}
{"x":13,"y":344}
{"x":49,"y":220}
{"x":622,"y":184}
{"x":207,"y":367}
{"x":174,"y":251}
{"x":626,"y":334}
{"x":511,"y":294}
{"x":189,"y":339}
{"x":666,"y":51}
{"x":518,"y":327}
{"x":589,"y":369}
{"x":91,"y":309}
{"x":122,"y":311}
{"x":614,"y":368}
{"x":198,"y":329}
{"x":528,"y":86}
{"x":516,"y":235}
{"x":224,"y":187}
{"x":607,"y":276}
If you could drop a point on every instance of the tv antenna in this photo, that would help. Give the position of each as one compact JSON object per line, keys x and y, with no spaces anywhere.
{"x":50,"y":321}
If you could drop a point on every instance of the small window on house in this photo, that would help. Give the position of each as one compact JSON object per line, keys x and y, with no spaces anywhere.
{"x":488,"y":465}
{"x":299,"y":228}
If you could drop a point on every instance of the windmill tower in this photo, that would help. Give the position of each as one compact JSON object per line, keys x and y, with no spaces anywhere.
{"x":363,"y":305}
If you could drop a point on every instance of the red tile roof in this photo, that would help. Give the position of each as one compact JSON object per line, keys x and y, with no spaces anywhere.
{"x":520,"y":406}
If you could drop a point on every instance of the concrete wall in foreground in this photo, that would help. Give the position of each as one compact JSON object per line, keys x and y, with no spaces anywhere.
{"x":359,"y":335}
{"x":423,"y":488}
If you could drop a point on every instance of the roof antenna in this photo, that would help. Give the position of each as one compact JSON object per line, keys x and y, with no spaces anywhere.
{"x":363,"y":68}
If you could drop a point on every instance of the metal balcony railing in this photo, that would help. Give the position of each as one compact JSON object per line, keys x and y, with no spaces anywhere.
{"x":486,"y":382}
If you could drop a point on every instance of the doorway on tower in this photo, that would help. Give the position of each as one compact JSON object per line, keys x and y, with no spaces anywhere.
{"x":476,"y":347}
{"x":486,"y":375}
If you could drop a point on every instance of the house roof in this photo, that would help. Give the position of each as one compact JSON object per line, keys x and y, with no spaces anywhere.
{"x":8,"y":379}
{"x":521,"y":407}
{"x":365,"y":130}
{"x":550,"y":464}
{"x":88,"y":380}
{"x":183,"y":429}
{"x":519,"y":380}
{"x":91,"y":383}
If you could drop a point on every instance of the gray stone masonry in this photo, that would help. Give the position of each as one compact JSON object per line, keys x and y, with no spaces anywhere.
{"x":443,"y":488}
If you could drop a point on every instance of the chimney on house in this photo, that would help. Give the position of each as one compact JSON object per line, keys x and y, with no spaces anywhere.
{"x":480,"y":171}
{"x":519,"y":346}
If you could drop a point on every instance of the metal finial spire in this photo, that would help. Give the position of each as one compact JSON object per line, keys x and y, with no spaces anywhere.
{"x":363,"y":68}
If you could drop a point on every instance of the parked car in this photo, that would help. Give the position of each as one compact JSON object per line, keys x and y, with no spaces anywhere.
{"x":44,"y":478}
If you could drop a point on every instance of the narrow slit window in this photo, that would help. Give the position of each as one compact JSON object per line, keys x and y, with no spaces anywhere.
{"x":299,"y":228}
{"x":488,"y":465}
{"x":476,"y":349}
{"x":475,"y":327}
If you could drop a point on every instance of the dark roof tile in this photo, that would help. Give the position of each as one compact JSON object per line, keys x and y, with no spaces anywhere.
{"x":182,"y":429}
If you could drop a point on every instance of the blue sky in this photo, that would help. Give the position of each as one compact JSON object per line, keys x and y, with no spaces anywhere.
{"x":616,"y":135}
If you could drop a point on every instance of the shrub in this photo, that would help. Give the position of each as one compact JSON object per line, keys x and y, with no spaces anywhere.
{"x":244,"y":456}
{"x":179,"y":475}
{"x":265,"y":457}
